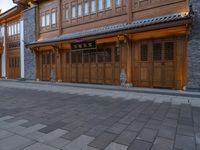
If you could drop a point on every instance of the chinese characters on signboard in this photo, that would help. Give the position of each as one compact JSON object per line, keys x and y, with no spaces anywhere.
{"x":83,"y":45}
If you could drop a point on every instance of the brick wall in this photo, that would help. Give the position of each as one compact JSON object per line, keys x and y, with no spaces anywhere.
{"x":29,"y":36}
{"x":194,"y":50}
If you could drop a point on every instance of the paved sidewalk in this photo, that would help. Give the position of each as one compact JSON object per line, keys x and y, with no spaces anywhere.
{"x":49,"y":117}
{"x":141,"y":94}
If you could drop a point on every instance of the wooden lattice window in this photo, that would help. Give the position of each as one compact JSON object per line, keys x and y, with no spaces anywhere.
{"x":74,"y":57}
{"x":108,"y":55}
{"x":53,"y":58}
{"x":157,"y":51}
{"x":144,"y":52}
{"x":67,"y":58}
{"x":169,"y":51}
{"x":100,"y":55}
{"x":117,"y":54}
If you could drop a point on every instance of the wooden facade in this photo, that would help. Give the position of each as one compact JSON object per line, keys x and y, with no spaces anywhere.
{"x":152,"y":56}
{"x":10,"y":20}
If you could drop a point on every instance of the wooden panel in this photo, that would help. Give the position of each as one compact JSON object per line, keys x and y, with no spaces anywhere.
{"x":100,"y":75}
{"x":74,"y":73}
{"x":109,"y":73}
{"x":93,"y":73}
{"x":148,"y":8}
{"x":86,"y":73}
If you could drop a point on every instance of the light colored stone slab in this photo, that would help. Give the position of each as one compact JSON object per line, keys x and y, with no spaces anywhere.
{"x":80,"y":143}
{"x":59,"y":142}
{"x":32,"y":129}
{"x":35,"y":135}
{"x":16,"y":129}
{"x":52,"y":135}
{"x":4,"y":134}
{"x":40,"y":146}
{"x":6,"y":118}
{"x":115,"y":146}
{"x":6,"y":125}
{"x":15,"y":143}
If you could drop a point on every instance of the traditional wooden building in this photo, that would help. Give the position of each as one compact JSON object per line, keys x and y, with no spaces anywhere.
{"x":11,"y":44}
{"x":91,"y":41}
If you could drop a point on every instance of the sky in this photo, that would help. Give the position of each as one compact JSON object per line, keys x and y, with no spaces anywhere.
{"x":6,"y":4}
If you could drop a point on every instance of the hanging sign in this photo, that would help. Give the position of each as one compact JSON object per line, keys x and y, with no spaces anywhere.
{"x":83,"y":45}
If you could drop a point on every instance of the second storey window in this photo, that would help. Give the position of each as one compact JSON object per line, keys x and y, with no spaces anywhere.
{"x":67,"y":13}
{"x":86,"y":8}
{"x":47,"y":19}
{"x":79,"y":10}
{"x":93,"y":6}
{"x":118,"y":3}
{"x":73,"y":11}
{"x":100,"y":5}
{"x":43,"y":21}
{"x":53,"y":18}
{"x":108,"y":4}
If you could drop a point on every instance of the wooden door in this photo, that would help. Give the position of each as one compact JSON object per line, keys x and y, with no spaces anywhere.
{"x":100,"y":66}
{"x":145,"y":63}
{"x":86,"y":66}
{"x":79,"y":66}
{"x":93,"y":67}
{"x":163,"y":64}
{"x":108,"y":66}
{"x":74,"y":67}
{"x":67,"y":64}
{"x":117,"y":65}
{"x":46,"y":66}
{"x":13,"y":67}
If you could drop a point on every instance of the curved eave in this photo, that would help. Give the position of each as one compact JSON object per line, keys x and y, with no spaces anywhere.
{"x":126,"y":28}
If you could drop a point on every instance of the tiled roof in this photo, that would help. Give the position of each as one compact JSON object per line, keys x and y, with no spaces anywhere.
{"x":116,"y":28}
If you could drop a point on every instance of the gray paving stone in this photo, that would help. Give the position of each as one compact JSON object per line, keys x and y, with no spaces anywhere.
{"x":35,"y":135}
{"x":32,"y":129}
{"x":162,"y":144}
{"x":167,"y":132}
{"x":115,"y":146}
{"x":4,"y":134}
{"x":81,"y":143}
{"x":96,"y":131}
{"x":136,"y":126}
{"x":52,"y":135}
{"x":75,"y":133}
{"x":6,"y":118}
{"x":185,"y":142}
{"x":6,"y":125}
{"x":116,"y":128}
{"x":103,"y":140}
{"x":140,"y":145}
{"x":58,"y":143}
{"x":40,"y":146}
{"x":147,"y":135}
{"x":185,"y":130}
{"x":126,"y":137}
{"x":15,"y":142}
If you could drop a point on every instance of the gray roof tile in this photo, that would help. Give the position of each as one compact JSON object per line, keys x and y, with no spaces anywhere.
{"x":115,"y":28}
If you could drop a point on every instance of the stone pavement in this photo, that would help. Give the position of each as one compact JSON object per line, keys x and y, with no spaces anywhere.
{"x":37,"y":117}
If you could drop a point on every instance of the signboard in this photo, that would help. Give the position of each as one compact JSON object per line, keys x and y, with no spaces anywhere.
{"x":83,"y":45}
{"x":14,"y":45}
